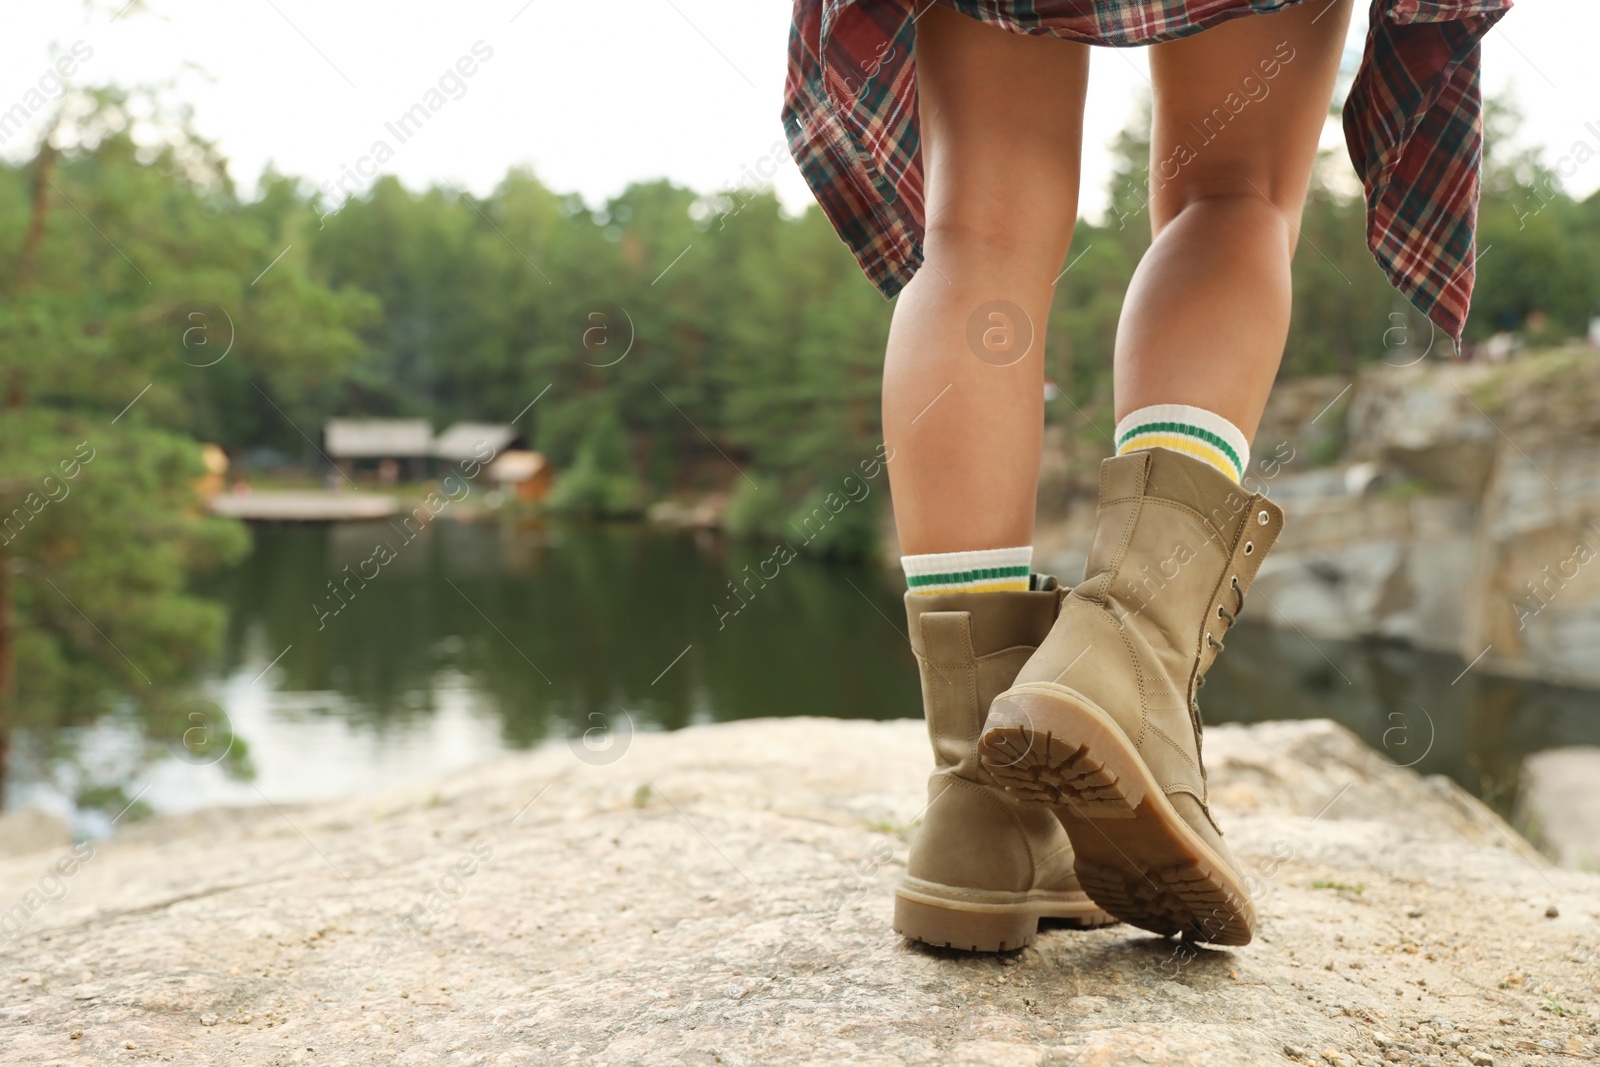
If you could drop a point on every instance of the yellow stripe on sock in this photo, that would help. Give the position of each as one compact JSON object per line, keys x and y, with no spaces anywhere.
{"x":1009,"y":585}
{"x":1189,"y":446}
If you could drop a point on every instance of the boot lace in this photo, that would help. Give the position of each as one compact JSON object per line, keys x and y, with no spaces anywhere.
{"x":1227,"y":615}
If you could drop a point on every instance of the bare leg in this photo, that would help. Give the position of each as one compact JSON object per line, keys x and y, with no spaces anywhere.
{"x":1238,"y":110}
{"x":1001,"y":118}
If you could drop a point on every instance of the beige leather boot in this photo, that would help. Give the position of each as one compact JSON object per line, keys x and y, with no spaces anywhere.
{"x":983,"y":870}
{"x":1103,"y":726}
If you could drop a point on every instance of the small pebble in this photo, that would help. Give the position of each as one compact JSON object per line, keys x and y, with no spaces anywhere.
{"x":1552,"y":912}
{"x":75,"y":1035}
{"x":1414,"y":912}
{"x":1294,"y":1052}
{"x":1482,"y":1059}
{"x":208,"y":1019}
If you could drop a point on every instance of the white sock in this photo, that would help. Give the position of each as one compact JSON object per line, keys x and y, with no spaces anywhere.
{"x":1196,"y":432}
{"x":990,"y":570}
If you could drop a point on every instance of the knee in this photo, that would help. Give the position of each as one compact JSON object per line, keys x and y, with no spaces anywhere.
{"x":999,"y":234}
{"x":1259,"y":203}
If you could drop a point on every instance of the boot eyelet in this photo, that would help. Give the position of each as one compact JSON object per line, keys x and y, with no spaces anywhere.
{"x":1249,"y":547}
{"x":1263,"y":518}
{"x":1233,"y":580}
{"x":1219,"y":611}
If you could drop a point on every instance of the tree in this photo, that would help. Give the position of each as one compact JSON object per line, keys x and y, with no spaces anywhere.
{"x":142,"y":300}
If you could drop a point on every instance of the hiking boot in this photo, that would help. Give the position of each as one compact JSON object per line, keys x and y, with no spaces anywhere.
{"x":983,"y":870}
{"x":1103,"y":726}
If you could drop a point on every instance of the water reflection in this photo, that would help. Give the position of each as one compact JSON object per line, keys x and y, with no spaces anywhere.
{"x":1418,"y":709}
{"x":551,"y":624}
{"x":471,"y":638}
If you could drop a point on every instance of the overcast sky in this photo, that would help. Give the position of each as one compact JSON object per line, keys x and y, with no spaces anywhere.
{"x":592,"y":96}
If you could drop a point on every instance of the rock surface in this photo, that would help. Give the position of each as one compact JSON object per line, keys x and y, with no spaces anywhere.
{"x":1559,"y":805}
{"x":32,"y":830}
{"x":721,"y":895}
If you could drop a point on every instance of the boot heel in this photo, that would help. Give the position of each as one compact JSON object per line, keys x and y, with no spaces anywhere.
{"x":1047,"y":745}
{"x":1046,"y":749}
{"x":970,"y":931}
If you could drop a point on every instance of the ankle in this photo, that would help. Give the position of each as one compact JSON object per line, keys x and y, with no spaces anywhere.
{"x":992,"y":570}
{"x":1193,"y":431}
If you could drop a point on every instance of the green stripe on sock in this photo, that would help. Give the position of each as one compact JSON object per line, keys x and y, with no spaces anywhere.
{"x":962,"y":577}
{"x":1185,"y":428}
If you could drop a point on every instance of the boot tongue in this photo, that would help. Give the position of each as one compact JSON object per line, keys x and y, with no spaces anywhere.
{"x":1172,"y":525}
{"x":1244,"y":524}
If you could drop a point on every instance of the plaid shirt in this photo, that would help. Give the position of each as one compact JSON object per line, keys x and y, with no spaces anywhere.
{"x":1412,"y":122}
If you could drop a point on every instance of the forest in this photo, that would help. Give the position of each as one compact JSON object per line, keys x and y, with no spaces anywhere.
{"x":668,"y":341}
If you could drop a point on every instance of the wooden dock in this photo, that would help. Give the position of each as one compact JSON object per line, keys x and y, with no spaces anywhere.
{"x":287,"y":505}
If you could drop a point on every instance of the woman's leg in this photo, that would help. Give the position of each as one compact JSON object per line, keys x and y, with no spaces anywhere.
{"x":1238,"y":111}
{"x":1102,"y":724}
{"x":1001,"y":118}
{"x":963,"y":409}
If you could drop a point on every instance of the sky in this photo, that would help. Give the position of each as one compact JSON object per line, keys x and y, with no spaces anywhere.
{"x":689,"y":90}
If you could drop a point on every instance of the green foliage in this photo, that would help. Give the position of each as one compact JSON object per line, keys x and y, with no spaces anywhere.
{"x":836,"y":526}
{"x":1555,"y":1007}
{"x":600,"y":483}
{"x":102,"y":530}
{"x":107,"y":249}
{"x":129,"y":237}
{"x":754,"y":511}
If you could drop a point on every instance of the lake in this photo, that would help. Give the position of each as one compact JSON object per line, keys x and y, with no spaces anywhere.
{"x":344,"y":669}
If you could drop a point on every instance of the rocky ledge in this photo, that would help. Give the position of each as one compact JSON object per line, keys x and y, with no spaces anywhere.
{"x":721,"y":895}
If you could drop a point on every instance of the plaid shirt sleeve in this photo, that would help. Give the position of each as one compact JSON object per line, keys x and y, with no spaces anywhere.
{"x":1412,"y":122}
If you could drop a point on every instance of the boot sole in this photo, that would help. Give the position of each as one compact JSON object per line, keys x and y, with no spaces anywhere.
{"x":1136,"y":856}
{"x":922,"y":913}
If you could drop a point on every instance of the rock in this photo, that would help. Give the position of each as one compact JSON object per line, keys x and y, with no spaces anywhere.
{"x":1552,"y":912}
{"x":742,"y":918}
{"x":1420,"y":420}
{"x":1459,"y":518}
{"x":1351,"y":565}
{"x":1558,"y":807}
{"x":31,"y":830}
{"x":1336,"y":591}
{"x":1536,"y":596}
{"x":1320,"y":770}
